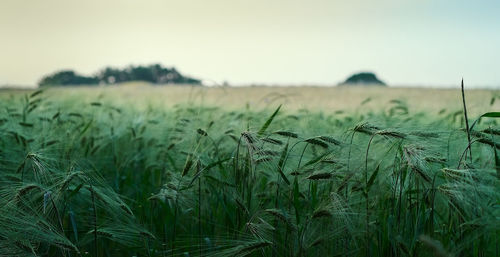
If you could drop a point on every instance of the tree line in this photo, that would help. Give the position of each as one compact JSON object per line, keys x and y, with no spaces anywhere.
{"x":154,"y":73}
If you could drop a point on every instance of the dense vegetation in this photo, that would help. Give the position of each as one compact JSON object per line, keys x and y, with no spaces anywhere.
{"x":363,"y":78}
{"x":109,"y":178}
{"x":67,"y":78}
{"x":152,"y":73}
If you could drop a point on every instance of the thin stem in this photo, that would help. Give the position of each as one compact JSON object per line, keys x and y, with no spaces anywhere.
{"x":95,"y":220}
{"x":367,"y":197}
{"x":466,"y":121}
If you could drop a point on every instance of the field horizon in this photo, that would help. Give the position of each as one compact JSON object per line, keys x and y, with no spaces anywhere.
{"x":293,"y":98}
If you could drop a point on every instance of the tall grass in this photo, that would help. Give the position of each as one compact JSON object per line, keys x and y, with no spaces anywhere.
{"x":105,"y":178}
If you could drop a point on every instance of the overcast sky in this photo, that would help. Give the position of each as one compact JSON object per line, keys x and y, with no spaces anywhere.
{"x":420,"y":42}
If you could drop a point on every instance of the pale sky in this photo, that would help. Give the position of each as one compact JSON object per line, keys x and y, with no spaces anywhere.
{"x":288,"y":42}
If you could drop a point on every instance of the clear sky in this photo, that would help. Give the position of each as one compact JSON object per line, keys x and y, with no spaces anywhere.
{"x":405,"y":42}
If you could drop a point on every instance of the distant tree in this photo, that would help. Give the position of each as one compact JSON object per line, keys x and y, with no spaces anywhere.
{"x":111,"y":76}
{"x":363,"y":78}
{"x":142,"y":73}
{"x":153,"y":73}
{"x":65,"y":78}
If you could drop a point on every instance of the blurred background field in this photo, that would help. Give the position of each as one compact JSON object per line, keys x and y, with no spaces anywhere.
{"x":324,"y":99}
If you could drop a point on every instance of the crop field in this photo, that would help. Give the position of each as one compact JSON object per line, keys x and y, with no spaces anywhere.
{"x":151,"y":171}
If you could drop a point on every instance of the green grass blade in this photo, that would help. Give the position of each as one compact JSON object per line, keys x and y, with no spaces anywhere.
{"x":281,"y":164}
{"x":485,"y":115}
{"x":268,"y":121}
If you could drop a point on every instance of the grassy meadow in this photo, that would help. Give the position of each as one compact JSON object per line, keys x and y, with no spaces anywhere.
{"x":138,"y":170}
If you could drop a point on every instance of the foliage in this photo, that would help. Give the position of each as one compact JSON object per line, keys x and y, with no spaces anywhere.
{"x":153,"y":73}
{"x":107,"y":178}
{"x":65,"y":78}
{"x":365,"y":78}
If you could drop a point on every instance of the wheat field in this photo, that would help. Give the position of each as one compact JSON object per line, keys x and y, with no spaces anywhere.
{"x":139,"y":170}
